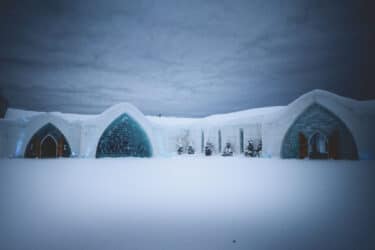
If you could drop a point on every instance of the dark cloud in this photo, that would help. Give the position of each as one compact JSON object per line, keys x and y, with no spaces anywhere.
{"x":188,"y":58}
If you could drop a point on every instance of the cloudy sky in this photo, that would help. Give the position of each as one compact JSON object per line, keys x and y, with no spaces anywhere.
{"x":190,"y":58}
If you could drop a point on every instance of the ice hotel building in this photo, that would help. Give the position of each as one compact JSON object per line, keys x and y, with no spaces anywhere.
{"x":318,"y":124}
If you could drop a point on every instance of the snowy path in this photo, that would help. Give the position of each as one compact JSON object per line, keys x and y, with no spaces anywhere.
{"x":186,"y":203}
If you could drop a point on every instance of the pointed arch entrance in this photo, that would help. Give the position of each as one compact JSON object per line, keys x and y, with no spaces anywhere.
{"x":48,"y":147}
{"x":317,"y":133}
{"x":48,"y":142}
{"x":124,"y":137}
{"x":318,"y":146}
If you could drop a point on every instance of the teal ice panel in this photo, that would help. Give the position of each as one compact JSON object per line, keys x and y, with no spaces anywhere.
{"x":124,"y":137}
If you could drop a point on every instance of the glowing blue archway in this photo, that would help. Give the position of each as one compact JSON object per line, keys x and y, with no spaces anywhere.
{"x":124,"y":137}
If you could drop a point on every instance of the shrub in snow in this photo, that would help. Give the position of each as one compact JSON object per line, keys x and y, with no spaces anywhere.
{"x":209,"y":149}
{"x":254,"y":148}
{"x":190,"y":150}
{"x":180,"y":149}
{"x":228,"y":150}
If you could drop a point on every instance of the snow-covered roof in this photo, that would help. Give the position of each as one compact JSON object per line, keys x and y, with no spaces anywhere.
{"x":246,"y":116}
{"x":256,"y":115}
{"x":15,"y":114}
{"x":358,"y":107}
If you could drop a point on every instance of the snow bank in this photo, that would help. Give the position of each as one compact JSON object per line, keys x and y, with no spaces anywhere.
{"x":186,"y":203}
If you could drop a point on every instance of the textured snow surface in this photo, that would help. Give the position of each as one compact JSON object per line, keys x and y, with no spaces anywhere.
{"x":186,"y":203}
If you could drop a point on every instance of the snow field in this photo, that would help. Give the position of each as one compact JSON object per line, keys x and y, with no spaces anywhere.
{"x":186,"y":202}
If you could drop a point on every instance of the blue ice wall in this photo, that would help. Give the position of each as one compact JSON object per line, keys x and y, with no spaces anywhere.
{"x":124,"y":137}
{"x":317,"y":118}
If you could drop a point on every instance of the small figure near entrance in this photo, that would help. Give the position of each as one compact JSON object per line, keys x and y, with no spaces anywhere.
{"x":228,"y":150}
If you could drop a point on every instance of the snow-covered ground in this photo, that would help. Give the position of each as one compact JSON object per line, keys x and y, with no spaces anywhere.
{"x":186,"y":203}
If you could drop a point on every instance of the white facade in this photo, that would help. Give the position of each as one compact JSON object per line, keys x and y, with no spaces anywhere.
{"x":269,"y":125}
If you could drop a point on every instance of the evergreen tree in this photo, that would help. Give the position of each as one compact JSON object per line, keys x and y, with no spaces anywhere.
{"x":250,"y":149}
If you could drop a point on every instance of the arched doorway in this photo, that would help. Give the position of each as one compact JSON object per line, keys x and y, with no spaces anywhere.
{"x":318,"y":133}
{"x":124,"y":137}
{"x":318,"y":146}
{"x":48,"y":142}
{"x":48,"y":147}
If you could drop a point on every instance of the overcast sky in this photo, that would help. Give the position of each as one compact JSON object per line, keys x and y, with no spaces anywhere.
{"x":190,"y":58}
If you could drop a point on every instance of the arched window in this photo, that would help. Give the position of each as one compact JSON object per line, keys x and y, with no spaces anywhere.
{"x":124,"y":137}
